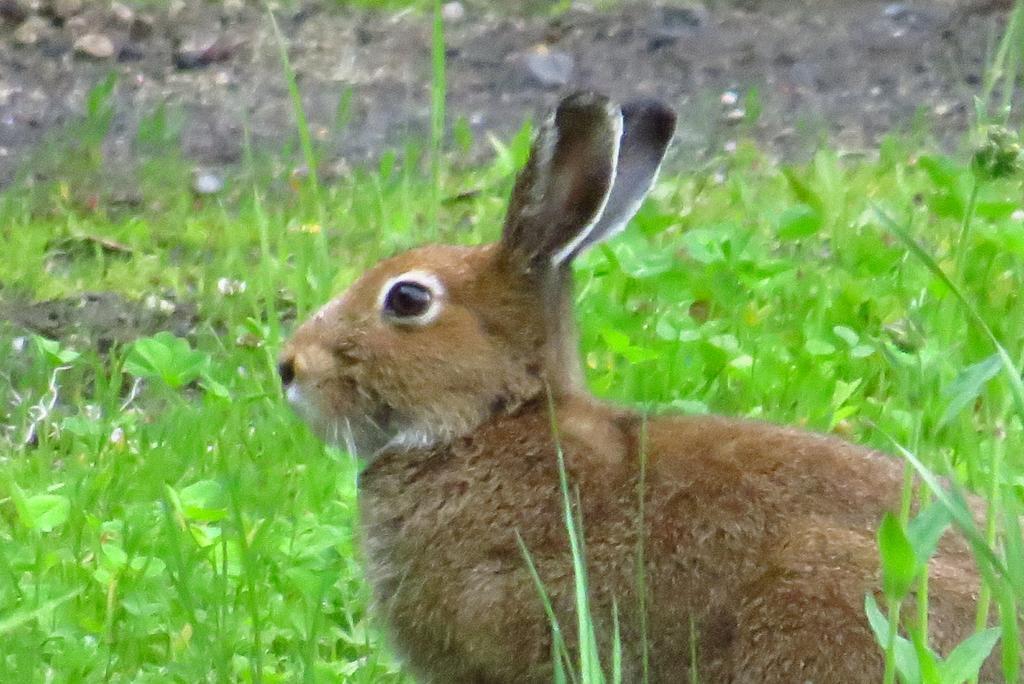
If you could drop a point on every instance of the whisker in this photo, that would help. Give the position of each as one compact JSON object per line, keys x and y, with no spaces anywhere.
{"x":350,"y":442}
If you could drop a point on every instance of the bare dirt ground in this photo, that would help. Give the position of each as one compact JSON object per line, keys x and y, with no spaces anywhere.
{"x":845,"y":70}
{"x":841,"y":71}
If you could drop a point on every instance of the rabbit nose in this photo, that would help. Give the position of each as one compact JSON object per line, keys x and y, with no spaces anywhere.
{"x":286,"y":369}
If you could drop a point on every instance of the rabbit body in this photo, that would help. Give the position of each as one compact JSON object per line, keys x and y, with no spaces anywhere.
{"x":455,"y":371}
{"x":758,"y":548}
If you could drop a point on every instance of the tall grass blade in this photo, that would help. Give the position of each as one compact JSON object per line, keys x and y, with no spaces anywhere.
{"x":1002,"y":70}
{"x":13,"y":622}
{"x":590,"y":662}
{"x":301,"y":121}
{"x":562,"y":661}
{"x":1009,"y":367}
{"x":641,"y":555}
{"x":438,"y":89}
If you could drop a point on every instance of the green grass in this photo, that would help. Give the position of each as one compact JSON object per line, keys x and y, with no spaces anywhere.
{"x":164,"y":516}
{"x":193,"y":528}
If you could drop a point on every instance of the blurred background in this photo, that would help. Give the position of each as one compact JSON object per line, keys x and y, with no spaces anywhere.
{"x":836,"y":242}
{"x":206,"y":79}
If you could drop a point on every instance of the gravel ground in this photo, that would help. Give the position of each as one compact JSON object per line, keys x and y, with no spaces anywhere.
{"x":845,"y":70}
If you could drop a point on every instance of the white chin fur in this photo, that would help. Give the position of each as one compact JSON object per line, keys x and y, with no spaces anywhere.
{"x":294,"y":396}
{"x":414,"y":438}
{"x":358,"y":435}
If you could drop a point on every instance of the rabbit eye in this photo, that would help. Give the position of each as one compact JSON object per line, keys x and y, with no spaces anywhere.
{"x":408,"y":299}
{"x":412,"y":298}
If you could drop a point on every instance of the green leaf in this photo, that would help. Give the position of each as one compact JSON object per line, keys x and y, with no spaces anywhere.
{"x":925,"y":530}
{"x":1013,"y":538}
{"x":899,"y":564}
{"x":847,"y":335}
{"x":906,"y":654}
{"x":968,"y":657}
{"x":52,"y":351}
{"x":996,"y":209}
{"x":616,"y":340}
{"x":204,"y":501}
{"x":214,"y":388}
{"x":43,"y":512}
{"x":637,"y":260}
{"x":968,"y":386}
{"x":862,"y":351}
{"x":942,"y":171}
{"x":799,"y":221}
{"x":802,"y":190}
{"x":84,"y":427}
{"x":704,"y":245}
{"x":166,"y":358}
{"x":114,"y":555}
{"x":927,"y":660}
{"x":816,"y":347}
{"x":727,"y":343}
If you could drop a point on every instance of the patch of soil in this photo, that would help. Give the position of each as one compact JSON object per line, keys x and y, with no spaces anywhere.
{"x":848,"y":70}
{"x":99,"y":319}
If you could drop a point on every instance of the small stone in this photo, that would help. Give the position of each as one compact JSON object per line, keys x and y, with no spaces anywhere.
{"x":13,"y":11}
{"x":206,"y":183}
{"x":65,"y":9}
{"x":95,"y":45}
{"x":735,"y":115}
{"x":550,"y":68}
{"x":1017,"y":215}
{"x":671,"y":23}
{"x":202,"y":49}
{"x":729,"y":98}
{"x":77,"y":26}
{"x":123,"y":14}
{"x":453,"y":11}
{"x":250,"y":341}
{"x":896,"y":11}
{"x":31,"y":30}
{"x":229,"y":286}
{"x":141,"y":27}
{"x":130,"y":52}
{"x":155,"y":303}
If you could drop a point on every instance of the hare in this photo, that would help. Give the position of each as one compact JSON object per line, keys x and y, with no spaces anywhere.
{"x":454,"y":372}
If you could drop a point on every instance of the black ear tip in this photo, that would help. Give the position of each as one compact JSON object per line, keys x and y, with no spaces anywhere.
{"x":583,"y":99}
{"x":585,"y":106}
{"x":653,"y":119}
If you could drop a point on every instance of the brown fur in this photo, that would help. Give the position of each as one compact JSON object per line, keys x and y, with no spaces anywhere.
{"x":762,"y":536}
{"x":757,"y":541}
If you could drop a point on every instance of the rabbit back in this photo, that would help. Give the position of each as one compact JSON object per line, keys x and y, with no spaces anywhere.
{"x":756,"y":547}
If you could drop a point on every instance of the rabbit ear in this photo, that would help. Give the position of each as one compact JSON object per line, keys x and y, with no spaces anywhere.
{"x":560,"y":194}
{"x":648,"y":126}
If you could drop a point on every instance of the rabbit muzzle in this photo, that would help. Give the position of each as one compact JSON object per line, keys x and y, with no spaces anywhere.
{"x":333,"y":403}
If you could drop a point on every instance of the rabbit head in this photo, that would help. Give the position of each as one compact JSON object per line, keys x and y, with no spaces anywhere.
{"x":427,"y":344}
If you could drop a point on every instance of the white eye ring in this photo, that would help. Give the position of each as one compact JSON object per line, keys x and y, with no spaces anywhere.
{"x":424,"y":279}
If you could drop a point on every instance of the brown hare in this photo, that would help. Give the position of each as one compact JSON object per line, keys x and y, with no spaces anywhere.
{"x":454,"y":372}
